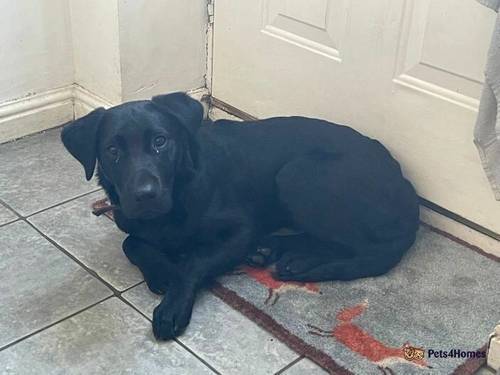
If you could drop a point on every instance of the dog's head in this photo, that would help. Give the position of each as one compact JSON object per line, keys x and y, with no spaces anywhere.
{"x":141,"y":148}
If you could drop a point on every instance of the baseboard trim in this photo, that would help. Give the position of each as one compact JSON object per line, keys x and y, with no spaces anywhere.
{"x":231,"y":110}
{"x":460,"y":219}
{"x":52,"y":108}
{"x":46,"y":110}
{"x":86,"y":101}
{"x":35,"y":113}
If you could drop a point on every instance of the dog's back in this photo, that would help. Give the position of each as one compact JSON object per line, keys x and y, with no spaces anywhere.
{"x":370,"y":178}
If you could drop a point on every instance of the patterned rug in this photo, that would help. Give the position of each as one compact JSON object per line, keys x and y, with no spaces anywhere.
{"x":432,"y":314}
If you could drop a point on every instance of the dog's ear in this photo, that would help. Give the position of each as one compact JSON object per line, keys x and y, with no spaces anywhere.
{"x":80,"y":139}
{"x":188,"y":111}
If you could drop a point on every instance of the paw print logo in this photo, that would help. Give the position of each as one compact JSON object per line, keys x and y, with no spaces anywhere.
{"x":413,"y":353}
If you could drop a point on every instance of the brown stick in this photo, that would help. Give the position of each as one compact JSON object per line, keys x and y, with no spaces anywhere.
{"x":98,"y":211}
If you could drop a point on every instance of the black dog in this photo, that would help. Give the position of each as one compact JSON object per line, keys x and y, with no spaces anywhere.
{"x":198,"y":198}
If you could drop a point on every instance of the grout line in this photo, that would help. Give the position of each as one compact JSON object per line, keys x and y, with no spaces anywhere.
{"x":9,"y":222}
{"x":180,"y":343}
{"x":5,"y":205}
{"x":132,"y":287}
{"x":52,"y":324}
{"x":291,"y":364}
{"x":62,"y":202}
{"x":187,"y":348}
{"x":20,"y":216}
{"x":115,"y":291}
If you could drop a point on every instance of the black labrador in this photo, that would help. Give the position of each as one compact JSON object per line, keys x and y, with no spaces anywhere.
{"x":199,"y":198}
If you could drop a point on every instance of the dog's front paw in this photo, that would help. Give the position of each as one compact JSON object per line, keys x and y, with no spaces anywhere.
{"x":170,"y":319}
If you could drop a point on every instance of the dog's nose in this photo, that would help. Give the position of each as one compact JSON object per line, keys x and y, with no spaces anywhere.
{"x":145,"y":192}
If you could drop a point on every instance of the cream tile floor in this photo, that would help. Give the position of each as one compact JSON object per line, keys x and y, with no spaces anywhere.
{"x":71,"y":303}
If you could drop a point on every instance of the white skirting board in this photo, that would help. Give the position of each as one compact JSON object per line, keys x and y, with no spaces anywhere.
{"x":86,"y":101}
{"x":34,"y":113}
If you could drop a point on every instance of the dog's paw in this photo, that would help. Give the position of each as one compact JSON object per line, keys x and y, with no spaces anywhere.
{"x":171,"y":319}
{"x":262,"y":257}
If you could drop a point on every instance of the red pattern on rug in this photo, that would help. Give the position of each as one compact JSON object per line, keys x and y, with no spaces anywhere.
{"x":360,"y":341}
{"x":275,"y":287}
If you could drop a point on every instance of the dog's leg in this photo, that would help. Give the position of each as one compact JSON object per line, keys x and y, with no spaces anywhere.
{"x":272,"y":248}
{"x":154,"y":265}
{"x":344,"y":208}
{"x":173,"y":314}
{"x":310,"y":266}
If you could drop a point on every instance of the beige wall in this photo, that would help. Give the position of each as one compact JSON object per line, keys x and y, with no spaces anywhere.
{"x":35,"y":47}
{"x":133,"y":49}
{"x":61,"y":58}
{"x":163,"y":46}
{"x":94,"y":26}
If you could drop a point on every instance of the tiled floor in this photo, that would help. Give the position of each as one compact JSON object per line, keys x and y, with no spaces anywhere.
{"x":71,"y":303}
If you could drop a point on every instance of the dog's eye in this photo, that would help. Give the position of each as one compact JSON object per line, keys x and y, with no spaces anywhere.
{"x":160,"y":141}
{"x":113,"y":150}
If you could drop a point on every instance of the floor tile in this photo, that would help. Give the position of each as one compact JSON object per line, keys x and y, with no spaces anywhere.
{"x":224,"y":338}
{"x":95,"y":241}
{"x":109,"y":338}
{"x":305,"y":366}
{"x":36,"y":172}
{"x":39,"y":285}
{"x":6,"y":215}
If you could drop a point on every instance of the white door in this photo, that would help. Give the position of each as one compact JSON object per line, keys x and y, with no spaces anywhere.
{"x":407,"y":72}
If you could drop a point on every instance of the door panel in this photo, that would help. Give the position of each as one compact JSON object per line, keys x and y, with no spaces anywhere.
{"x":316,"y":25}
{"x":449,"y":54}
{"x":406,"y":72}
